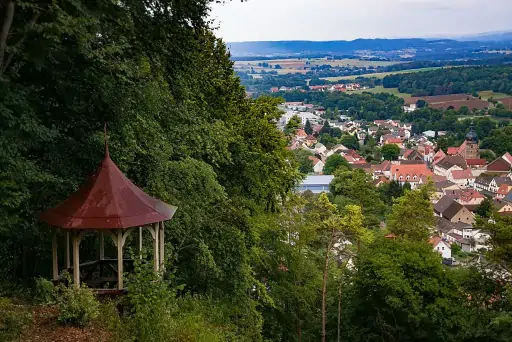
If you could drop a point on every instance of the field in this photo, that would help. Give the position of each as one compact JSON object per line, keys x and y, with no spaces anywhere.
{"x":379,"y":74}
{"x":381,"y":89}
{"x":298,"y":65}
{"x":489,"y":93}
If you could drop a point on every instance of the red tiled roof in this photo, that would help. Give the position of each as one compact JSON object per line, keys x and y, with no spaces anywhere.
{"x":310,"y":137}
{"x":301,"y":133}
{"x":452,"y":151}
{"x":462,"y":174}
{"x":508,"y":157}
{"x":476,"y":162}
{"x":503,"y":189}
{"x":315,"y":160}
{"x":411,"y":170}
{"x":468,"y":195}
{"x":393,"y":141}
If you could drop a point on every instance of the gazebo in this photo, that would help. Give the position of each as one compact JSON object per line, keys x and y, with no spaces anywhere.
{"x":109,"y":204}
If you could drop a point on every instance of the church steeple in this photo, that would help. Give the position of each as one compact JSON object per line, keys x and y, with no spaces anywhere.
{"x":472,"y":137}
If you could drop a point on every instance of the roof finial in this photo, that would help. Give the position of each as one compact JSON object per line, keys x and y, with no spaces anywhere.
{"x":107,"y":154}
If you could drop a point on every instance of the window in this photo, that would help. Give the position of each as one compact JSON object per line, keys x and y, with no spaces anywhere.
{"x":443,"y":248}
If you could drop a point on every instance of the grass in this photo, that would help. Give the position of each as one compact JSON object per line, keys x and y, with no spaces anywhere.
{"x":379,"y":74}
{"x":381,"y":89}
{"x":489,"y":93}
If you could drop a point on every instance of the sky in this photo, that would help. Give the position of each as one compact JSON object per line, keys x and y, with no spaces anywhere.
{"x":350,"y":19}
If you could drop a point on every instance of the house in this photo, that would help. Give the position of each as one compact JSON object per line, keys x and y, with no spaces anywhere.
{"x":453,"y":211}
{"x":300,"y":134}
{"x":470,"y":198}
{"x":382,"y":169}
{"x":501,"y":165}
{"x":503,"y":191}
{"x":380,"y":180}
{"x":318,"y":165}
{"x":448,"y":164}
{"x":396,"y":141}
{"x":274,"y":90}
{"x":310,"y":140}
{"x":315,"y":184}
{"x":483,"y":183}
{"x":503,"y":208}
{"x":320,"y":148}
{"x":497,"y":182}
{"x":409,"y":154}
{"x":463,"y":178}
{"x":438,"y":157}
{"x":477,"y":166}
{"x":441,"y":246}
{"x":409,"y":173}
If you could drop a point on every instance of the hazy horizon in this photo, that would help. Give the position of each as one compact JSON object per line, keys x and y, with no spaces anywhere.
{"x":329,"y":20}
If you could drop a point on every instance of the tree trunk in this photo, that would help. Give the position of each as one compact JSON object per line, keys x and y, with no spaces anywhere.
{"x":299,"y":331}
{"x":339,"y":313}
{"x":324,"y":287}
{"x":6,"y":27}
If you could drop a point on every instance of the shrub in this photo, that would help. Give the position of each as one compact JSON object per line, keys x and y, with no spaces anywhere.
{"x":13,"y":319}
{"x":45,"y":292}
{"x":78,"y":306}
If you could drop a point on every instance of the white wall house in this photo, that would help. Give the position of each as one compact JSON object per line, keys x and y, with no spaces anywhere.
{"x":442,"y":247}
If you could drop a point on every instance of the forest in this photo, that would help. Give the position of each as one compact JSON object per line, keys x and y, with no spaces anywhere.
{"x":457,"y":80}
{"x":247,"y":259}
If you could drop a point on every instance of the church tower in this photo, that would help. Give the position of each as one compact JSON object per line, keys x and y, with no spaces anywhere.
{"x":471,"y":151}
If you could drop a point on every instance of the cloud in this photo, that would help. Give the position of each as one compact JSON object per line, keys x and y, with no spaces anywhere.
{"x":348,"y":19}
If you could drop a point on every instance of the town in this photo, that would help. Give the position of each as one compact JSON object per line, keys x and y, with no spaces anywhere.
{"x":462,"y":180}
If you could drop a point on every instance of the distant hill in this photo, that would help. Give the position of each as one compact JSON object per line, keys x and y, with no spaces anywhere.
{"x":502,"y":36}
{"x":361,"y":47}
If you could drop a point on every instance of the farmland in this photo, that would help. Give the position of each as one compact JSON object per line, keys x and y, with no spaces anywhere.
{"x":299,"y":65}
{"x":379,"y":74}
{"x":381,"y":89}
{"x":485,"y":95}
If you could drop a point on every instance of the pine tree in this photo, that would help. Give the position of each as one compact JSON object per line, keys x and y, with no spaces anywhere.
{"x":308,"y":129}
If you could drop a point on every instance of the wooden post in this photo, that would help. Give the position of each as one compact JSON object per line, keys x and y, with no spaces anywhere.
{"x":102,"y":246}
{"x":139,"y":242}
{"x":120,"y":259}
{"x":54,"y":256}
{"x":162,"y":246}
{"x":156,"y":255}
{"x":76,"y":258}
{"x":68,"y":258}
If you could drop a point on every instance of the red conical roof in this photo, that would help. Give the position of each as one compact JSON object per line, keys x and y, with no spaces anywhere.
{"x":108,"y":200}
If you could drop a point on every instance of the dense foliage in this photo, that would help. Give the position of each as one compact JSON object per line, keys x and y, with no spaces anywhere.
{"x":459,"y":80}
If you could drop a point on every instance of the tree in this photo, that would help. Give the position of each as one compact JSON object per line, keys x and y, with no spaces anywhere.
{"x":335,"y":228}
{"x":356,"y":187}
{"x":464,"y":110}
{"x":308,"y":129}
{"x":390,"y":151}
{"x":392,"y":190}
{"x":350,"y":141}
{"x":305,"y":163}
{"x":442,"y":144}
{"x":486,"y":208}
{"x":326,"y":129}
{"x":421,"y":103}
{"x":334,"y":162}
{"x":293,"y":125}
{"x":488,"y":155}
{"x":500,"y":241}
{"x":412,"y":215}
{"x":327,"y":140}
{"x":400,"y":292}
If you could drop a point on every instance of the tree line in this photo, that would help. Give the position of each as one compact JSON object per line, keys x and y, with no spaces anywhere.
{"x":457,"y":80}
